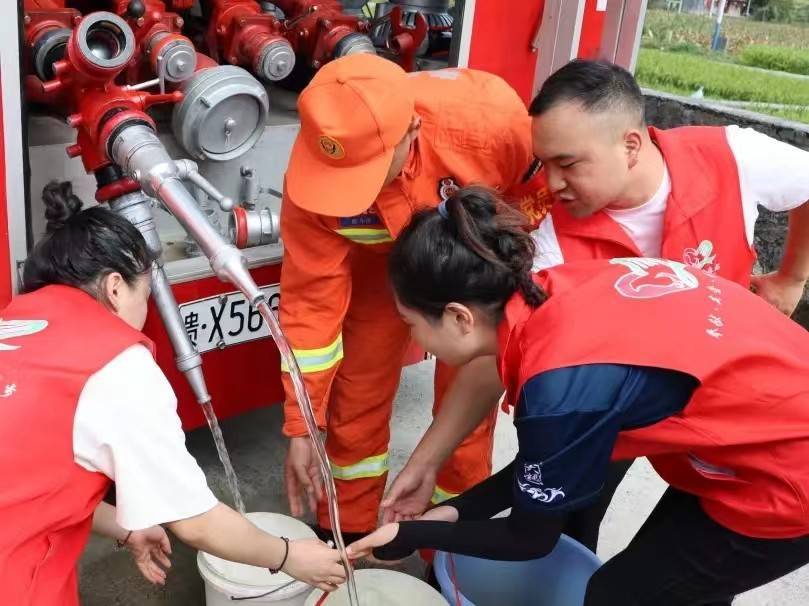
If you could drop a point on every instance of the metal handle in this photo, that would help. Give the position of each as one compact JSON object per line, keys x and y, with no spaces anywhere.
{"x":188,"y":170}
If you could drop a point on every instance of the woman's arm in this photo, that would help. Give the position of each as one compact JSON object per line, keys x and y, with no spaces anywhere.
{"x":150,"y":547}
{"x":105,"y":525}
{"x":229,"y":535}
{"x":463,"y":525}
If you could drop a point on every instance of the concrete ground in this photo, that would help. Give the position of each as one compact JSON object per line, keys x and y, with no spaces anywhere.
{"x":108,"y":578}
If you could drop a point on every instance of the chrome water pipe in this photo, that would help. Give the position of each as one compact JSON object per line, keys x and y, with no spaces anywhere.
{"x":137,"y":208}
{"x":138,"y":151}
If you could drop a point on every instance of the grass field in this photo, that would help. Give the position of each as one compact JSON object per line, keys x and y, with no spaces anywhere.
{"x":663,"y":29}
{"x":676,"y":58}
{"x":780,"y":58}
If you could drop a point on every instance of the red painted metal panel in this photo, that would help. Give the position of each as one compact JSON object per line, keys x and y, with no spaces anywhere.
{"x":5,"y":243}
{"x":240,"y":378}
{"x":591,"y":30}
{"x":502,"y":33}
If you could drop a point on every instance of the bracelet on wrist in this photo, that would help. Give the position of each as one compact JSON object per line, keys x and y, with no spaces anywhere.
{"x":122,"y":544}
{"x":284,"y":561}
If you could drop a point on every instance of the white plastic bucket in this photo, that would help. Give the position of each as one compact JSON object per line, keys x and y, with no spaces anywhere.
{"x":226,"y":580}
{"x":379,"y":587}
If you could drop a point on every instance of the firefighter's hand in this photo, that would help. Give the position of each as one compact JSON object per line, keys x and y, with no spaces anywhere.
{"x":303,"y":478}
{"x":409,"y":495}
{"x":781,"y":291}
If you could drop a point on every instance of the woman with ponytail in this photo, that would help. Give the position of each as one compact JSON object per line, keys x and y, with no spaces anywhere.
{"x":610,"y":360}
{"x":83,"y":404}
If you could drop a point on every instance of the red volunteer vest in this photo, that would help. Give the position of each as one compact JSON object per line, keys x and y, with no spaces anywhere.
{"x":742,"y":443}
{"x":704,"y":221}
{"x":51,"y":342}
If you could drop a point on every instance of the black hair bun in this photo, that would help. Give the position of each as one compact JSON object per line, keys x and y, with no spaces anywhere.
{"x":61,"y":204}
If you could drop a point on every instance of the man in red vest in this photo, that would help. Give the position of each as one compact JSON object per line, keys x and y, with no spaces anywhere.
{"x":688,"y":194}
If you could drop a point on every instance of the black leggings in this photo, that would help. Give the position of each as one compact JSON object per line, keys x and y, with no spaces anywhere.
{"x":681,"y":557}
{"x":583,"y":525}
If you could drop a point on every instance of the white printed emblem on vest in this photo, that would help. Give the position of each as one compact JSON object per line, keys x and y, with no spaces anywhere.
{"x":702,"y":257}
{"x":10,"y":329}
{"x":652,"y":278}
{"x":531,"y":484}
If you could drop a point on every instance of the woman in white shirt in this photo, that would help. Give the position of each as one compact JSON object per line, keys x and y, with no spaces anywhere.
{"x":78,"y":373}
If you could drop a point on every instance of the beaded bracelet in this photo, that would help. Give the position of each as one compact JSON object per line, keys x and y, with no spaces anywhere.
{"x":284,"y":561}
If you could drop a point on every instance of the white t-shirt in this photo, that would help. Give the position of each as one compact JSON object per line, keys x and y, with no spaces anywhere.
{"x":771,"y":173}
{"x":126,"y":427}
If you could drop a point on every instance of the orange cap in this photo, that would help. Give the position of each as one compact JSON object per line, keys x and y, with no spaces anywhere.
{"x":353,"y":114}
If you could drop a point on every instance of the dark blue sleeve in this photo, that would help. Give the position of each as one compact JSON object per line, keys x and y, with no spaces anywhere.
{"x":568,"y":420}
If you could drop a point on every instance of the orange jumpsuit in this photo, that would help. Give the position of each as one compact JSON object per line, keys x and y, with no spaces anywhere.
{"x":337,"y":309}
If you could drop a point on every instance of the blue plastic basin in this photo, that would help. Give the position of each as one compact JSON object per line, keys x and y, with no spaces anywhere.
{"x":559,"y":579}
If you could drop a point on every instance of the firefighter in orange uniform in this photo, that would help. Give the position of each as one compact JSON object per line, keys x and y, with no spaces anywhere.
{"x":375,"y":146}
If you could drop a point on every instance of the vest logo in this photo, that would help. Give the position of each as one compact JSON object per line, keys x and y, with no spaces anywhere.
{"x":332,"y":147}
{"x":10,"y":329}
{"x":9,"y":390}
{"x":702,"y":257}
{"x":447,"y":187}
{"x":530,"y":482}
{"x":653,"y":278}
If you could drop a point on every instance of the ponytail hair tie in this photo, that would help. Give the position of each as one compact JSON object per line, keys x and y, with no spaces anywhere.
{"x":442,"y":209}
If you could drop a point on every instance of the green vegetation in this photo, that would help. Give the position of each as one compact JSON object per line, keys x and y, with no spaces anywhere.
{"x":676,"y":58}
{"x":685,"y":74}
{"x":660,"y":69}
{"x":663,"y":30}
{"x":778,"y":58}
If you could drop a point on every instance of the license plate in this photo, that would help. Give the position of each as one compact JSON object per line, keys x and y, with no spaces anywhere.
{"x":227,"y":319}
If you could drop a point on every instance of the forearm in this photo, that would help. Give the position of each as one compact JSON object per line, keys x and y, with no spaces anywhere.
{"x":476,"y":388}
{"x":515,"y":538}
{"x":485,"y":499}
{"x":511,"y":538}
{"x":225,"y":533}
{"x":795,"y":262}
{"x":104,"y":523}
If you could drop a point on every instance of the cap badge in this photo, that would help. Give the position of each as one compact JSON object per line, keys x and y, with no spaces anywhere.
{"x":331,"y":147}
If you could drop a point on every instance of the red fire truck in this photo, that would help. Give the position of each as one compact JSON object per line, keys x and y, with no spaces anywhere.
{"x":102,"y":92}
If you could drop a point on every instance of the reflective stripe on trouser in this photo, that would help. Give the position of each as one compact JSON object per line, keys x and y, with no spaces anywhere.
{"x":318,"y":359}
{"x":375,"y":341}
{"x":371,"y":467}
{"x":440,"y":495}
{"x":366,"y":235}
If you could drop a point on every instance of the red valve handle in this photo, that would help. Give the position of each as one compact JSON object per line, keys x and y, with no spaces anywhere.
{"x":157,"y":98}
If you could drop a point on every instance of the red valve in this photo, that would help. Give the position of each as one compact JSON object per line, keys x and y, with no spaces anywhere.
{"x":83,"y":87}
{"x":241,"y":34}
{"x":316,"y":27}
{"x":155,"y":99}
{"x":405,"y":40}
{"x":156,"y":31}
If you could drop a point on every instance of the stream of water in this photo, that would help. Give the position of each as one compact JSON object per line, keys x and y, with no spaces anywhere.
{"x":325,"y":469}
{"x":230,"y":475}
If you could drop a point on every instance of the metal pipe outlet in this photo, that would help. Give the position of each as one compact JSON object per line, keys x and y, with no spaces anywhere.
{"x":138,"y":151}
{"x":137,"y":208}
